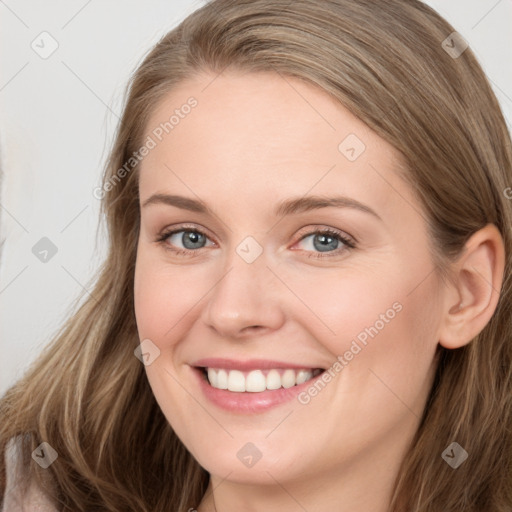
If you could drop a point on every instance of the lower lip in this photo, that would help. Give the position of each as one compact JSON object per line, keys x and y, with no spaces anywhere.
{"x":249,"y":402}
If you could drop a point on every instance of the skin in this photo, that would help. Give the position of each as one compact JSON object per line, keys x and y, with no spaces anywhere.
{"x":254,"y":140}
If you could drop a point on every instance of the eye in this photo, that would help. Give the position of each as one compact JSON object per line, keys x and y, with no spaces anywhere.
{"x":327,"y":240}
{"x":191,"y":240}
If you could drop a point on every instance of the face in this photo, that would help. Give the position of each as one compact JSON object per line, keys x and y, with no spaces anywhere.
{"x":249,"y":275}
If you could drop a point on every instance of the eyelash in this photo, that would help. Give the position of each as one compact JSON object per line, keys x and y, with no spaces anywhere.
{"x":348,"y":243}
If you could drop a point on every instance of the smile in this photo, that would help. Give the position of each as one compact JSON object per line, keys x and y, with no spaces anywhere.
{"x":252,"y":386}
{"x":258,"y":380}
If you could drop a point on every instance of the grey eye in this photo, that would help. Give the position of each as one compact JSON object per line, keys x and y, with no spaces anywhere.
{"x":189,"y":239}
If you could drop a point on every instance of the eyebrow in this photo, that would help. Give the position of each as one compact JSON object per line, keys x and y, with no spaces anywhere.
{"x":288,"y":207}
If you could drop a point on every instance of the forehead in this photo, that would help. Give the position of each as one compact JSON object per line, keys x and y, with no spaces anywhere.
{"x":251,"y":133}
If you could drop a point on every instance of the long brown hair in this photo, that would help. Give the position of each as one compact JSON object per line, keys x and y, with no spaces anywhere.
{"x":88,"y":396}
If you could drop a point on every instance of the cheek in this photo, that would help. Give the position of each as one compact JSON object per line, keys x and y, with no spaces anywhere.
{"x":394,"y":336}
{"x":408,"y":348}
{"x":380,"y":325}
{"x":352,"y":304}
{"x":164,"y":297}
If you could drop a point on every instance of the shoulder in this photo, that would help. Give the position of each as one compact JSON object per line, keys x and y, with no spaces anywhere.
{"x":20,"y":495}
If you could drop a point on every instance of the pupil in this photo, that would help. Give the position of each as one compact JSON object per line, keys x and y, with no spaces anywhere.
{"x":324,"y":242}
{"x":192,"y":238}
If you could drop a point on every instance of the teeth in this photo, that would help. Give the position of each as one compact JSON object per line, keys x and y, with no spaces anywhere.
{"x":258,"y":380}
{"x":288,"y":379}
{"x":273,"y":380}
{"x":303,"y":376}
{"x":213,"y":377}
{"x":255,"y":381}
{"x":222,"y":379}
{"x":236,"y":381}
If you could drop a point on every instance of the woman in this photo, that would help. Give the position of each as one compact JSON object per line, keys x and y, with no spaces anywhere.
{"x":223,"y":361}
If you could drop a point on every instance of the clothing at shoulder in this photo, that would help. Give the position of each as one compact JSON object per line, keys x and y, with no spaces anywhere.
{"x":19,"y":498}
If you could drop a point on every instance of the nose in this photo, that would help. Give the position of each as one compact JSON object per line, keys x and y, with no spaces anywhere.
{"x":247,"y":298}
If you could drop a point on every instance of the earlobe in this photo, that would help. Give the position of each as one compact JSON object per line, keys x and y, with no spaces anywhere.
{"x":472,"y":297}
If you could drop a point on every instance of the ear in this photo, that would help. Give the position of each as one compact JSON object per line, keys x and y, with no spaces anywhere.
{"x":471,"y":299}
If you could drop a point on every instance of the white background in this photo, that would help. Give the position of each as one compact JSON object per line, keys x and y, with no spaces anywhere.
{"x":57,"y":120}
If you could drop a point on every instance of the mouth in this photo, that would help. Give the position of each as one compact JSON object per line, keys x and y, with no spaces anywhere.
{"x":257,"y":380}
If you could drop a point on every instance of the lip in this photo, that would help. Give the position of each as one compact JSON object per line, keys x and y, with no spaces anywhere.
{"x":251,"y":364}
{"x":247,"y":403}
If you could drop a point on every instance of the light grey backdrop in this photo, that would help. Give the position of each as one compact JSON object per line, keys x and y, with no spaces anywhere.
{"x":63,"y":67}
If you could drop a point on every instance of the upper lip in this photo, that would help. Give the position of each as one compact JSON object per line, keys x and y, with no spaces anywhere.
{"x":248,"y":365}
